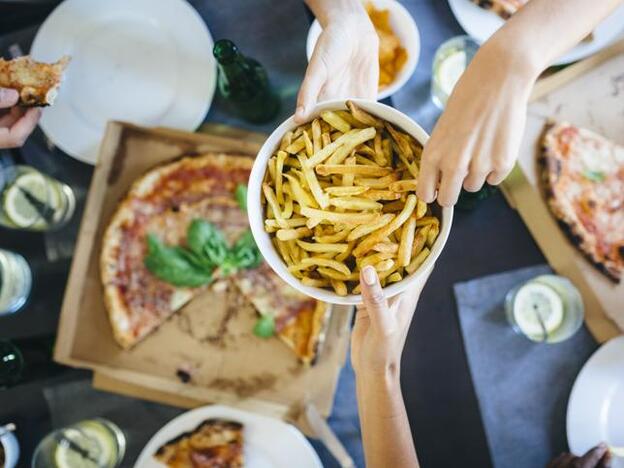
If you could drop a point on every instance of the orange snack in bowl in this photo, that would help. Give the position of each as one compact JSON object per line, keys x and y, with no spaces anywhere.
{"x":392,"y":55}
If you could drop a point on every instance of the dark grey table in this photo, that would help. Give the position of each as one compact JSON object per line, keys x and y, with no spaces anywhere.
{"x":438,"y":391}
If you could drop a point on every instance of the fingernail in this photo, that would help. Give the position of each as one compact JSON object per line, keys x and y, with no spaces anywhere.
{"x":8,"y":94}
{"x":370,"y":275}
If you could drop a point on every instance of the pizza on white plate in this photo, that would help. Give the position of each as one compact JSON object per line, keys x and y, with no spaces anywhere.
{"x":583,"y":178}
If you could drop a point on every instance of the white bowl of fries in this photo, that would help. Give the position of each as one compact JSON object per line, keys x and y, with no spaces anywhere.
{"x":336,"y":194}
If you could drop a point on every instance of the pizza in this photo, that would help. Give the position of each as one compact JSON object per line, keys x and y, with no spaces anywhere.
{"x":583,"y":179}
{"x":37,"y":83}
{"x":215,"y":443}
{"x":503,"y":8}
{"x":163,"y":202}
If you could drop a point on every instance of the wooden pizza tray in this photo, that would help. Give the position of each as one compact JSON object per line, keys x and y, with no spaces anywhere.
{"x":589,"y":94}
{"x":210,"y":338}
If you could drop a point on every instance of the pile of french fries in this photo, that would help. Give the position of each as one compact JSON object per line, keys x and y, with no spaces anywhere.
{"x":339,"y":195}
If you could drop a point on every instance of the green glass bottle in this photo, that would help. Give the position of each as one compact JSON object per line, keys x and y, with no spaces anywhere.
{"x":243,"y":82}
{"x":470,"y":200}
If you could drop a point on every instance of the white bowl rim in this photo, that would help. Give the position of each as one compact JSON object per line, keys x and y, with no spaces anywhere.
{"x":413,"y":47}
{"x":256,"y":216}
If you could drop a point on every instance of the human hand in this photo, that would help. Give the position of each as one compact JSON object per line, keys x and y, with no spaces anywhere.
{"x":381,"y":327}
{"x":345,"y":61}
{"x":597,"y":457}
{"x":478,"y":135}
{"x":16,"y":123}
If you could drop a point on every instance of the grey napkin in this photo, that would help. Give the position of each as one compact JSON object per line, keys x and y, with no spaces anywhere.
{"x":522,"y":387}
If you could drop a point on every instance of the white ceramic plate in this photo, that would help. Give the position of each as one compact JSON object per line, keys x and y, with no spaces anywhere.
{"x":596,"y":406}
{"x":481,"y":24}
{"x":140,"y":61}
{"x":256,"y":211}
{"x":405,"y":29}
{"x":268,"y":442}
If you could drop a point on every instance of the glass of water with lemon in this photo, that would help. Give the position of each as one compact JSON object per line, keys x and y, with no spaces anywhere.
{"x":449,"y":63}
{"x":33,"y":201}
{"x":546,"y":309}
{"x":92,"y":443}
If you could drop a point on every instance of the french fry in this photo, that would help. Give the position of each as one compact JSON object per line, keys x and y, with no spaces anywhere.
{"x":317,"y":143}
{"x":354,"y":203}
{"x":282,"y":248}
{"x":394,"y":277}
{"x":290,"y":161}
{"x":346,"y":218}
{"x":345,"y":191}
{"x":316,"y":283}
{"x":272,"y":201}
{"x":327,"y":169}
{"x":380,"y":183}
{"x":313,"y":183}
{"x":288,"y":208}
{"x":279,"y":169}
{"x":366,"y":150}
{"x":433,"y":234}
{"x":407,"y":241}
{"x":417,"y":261}
{"x":322,"y":247}
{"x":396,"y":223}
{"x":300,"y":195}
{"x":406,"y":185}
{"x":386,"y":247}
{"x":272,"y":168}
{"x":385,"y":195}
{"x":348,"y":179}
{"x":421,"y":209}
{"x":333,"y":238}
{"x":326,"y":140}
{"x":420,"y":239}
{"x":335,"y":121}
{"x":339,"y":287}
{"x":373,"y":259}
{"x":357,"y":289}
{"x":308,"y":144}
{"x":427,"y":220}
{"x":353,"y":140}
{"x":291,"y":223}
{"x":333,"y":274}
{"x":329,"y":147}
{"x":343,"y":256}
{"x":365,"y":161}
{"x":384,"y":265}
{"x":380,"y":157}
{"x":347,"y":117}
{"x":296,"y":146}
{"x":394,"y":206}
{"x":325,"y":262}
{"x":362,"y":116}
{"x":293,"y":233}
{"x":286,"y":141}
{"x":364,"y":228}
{"x":294,"y":251}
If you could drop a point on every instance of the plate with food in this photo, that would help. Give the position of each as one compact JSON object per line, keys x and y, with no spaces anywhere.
{"x":596,"y":403}
{"x":480,"y":19}
{"x":399,"y":43}
{"x":333,"y":195}
{"x":136,"y":61}
{"x":227,"y":437}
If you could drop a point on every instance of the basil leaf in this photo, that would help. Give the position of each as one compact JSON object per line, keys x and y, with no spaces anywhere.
{"x":169,"y":265}
{"x":265,"y":327}
{"x":595,"y":176}
{"x":246,"y":252}
{"x":199,"y":234}
{"x":241,"y":196}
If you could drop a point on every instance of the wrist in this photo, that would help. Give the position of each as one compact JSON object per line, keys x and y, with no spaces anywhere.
{"x":515,"y":58}
{"x":341,"y":11}
{"x":387,"y":376}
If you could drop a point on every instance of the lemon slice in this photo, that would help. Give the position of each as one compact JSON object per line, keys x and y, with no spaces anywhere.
{"x":107,"y":444}
{"x":450,"y":71}
{"x":70,"y":452}
{"x":534,"y":301}
{"x":17,"y":207}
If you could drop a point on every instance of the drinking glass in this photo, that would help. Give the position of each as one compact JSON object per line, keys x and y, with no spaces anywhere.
{"x":449,"y":63}
{"x":93,"y":443}
{"x":546,"y":309}
{"x":15,"y":281}
{"x":33,"y":201}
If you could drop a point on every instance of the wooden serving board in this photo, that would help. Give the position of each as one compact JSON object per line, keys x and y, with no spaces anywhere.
{"x":589,"y":94}
{"x":211,"y":338}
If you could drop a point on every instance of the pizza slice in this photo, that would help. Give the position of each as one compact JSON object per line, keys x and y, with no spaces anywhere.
{"x":503,"y":8}
{"x":215,"y":443}
{"x":300,"y":321}
{"x":583,"y":179}
{"x":37,"y":83}
{"x":163,"y":203}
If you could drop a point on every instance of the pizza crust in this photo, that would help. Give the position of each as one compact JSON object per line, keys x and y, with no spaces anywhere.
{"x":550,"y":163}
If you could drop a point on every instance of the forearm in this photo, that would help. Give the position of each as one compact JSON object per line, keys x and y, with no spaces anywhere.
{"x":545,"y":29}
{"x":386,"y":433}
{"x":325,"y":10}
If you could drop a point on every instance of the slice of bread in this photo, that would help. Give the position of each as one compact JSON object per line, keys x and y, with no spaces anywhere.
{"x":37,"y":83}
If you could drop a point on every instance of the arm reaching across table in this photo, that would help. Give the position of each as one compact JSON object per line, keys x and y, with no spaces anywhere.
{"x":345,"y":59}
{"x":478,"y":136}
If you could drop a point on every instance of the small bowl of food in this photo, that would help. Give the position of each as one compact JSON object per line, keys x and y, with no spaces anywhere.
{"x":399,"y":43}
{"x":336,"y":194}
